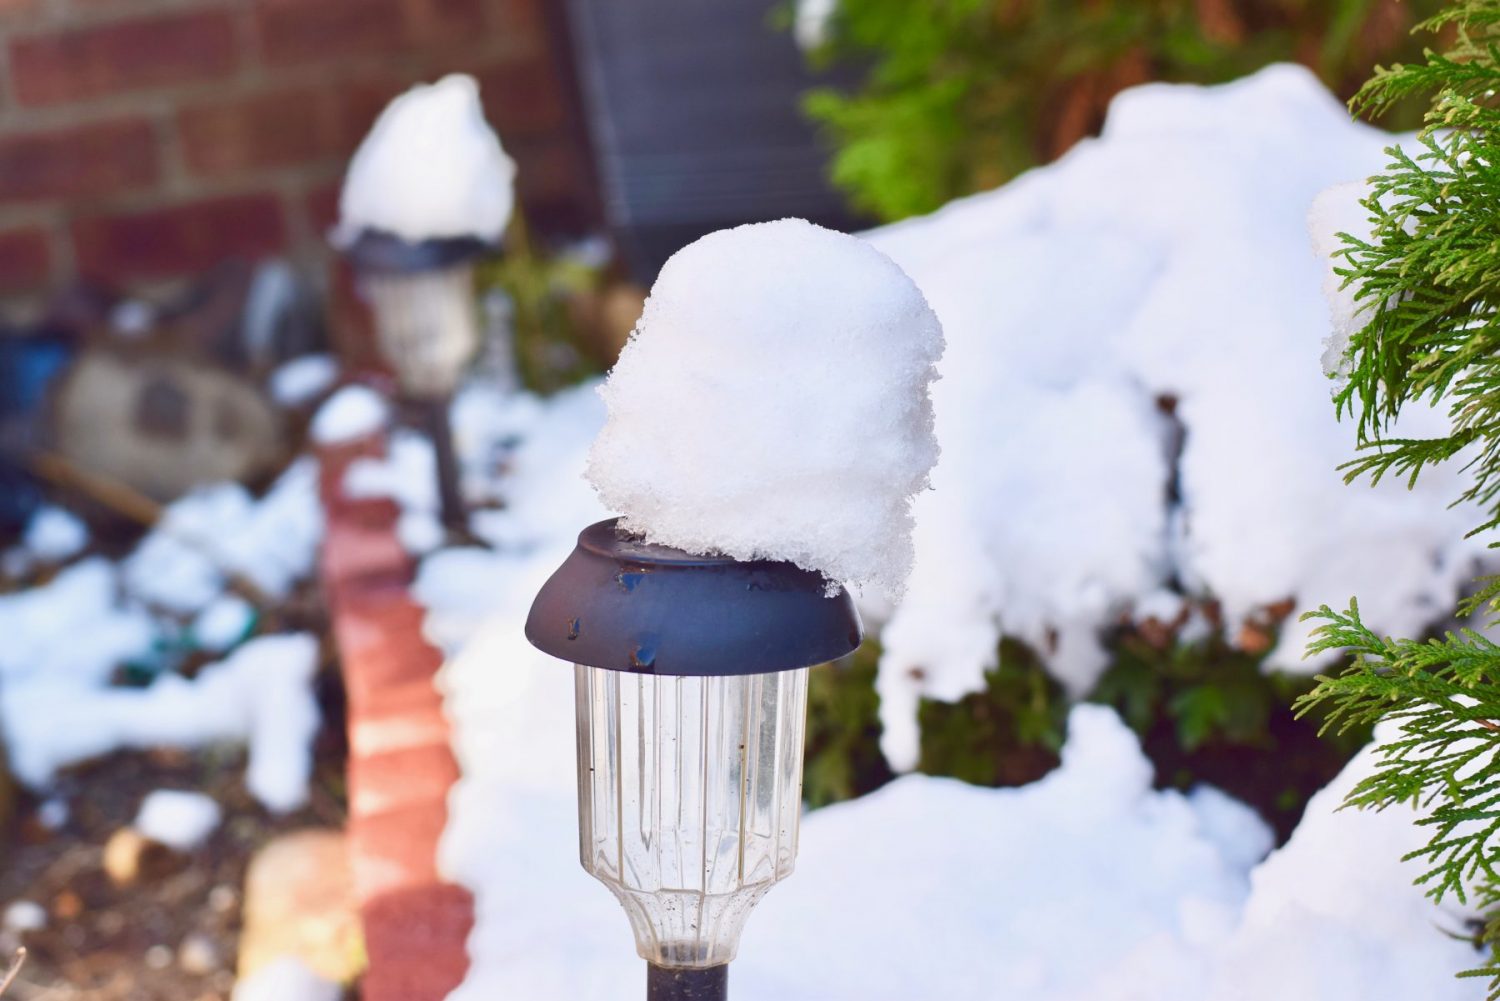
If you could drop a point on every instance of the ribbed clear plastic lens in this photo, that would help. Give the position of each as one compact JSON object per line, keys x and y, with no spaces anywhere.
{"x":427,"y":324}
{"x":689,"y":797}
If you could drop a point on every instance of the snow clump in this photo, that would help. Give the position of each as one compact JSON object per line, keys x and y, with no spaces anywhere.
{"x":302,"y":380}
{"x":353,"y":412}
{"x":55,"y":534}
{"x":177,"y":818}
{"x":219,"y":531}
{"x":431,"y":168}
{"x":772,"y":403}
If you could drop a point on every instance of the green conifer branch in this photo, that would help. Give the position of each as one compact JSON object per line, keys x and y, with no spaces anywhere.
{"x":1428,"y":277}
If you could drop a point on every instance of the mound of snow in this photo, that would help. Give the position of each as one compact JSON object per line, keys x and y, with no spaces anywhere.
{"x":430,"y":168}
{"x":1132,"y":398}
{"x":773,"y":403}
{"x":1334,"y":915}
{"x":1086,"y":884}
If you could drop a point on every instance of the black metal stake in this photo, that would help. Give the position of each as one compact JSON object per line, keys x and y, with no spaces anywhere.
{"x":677,"y":983}
{"x":450,"y":500}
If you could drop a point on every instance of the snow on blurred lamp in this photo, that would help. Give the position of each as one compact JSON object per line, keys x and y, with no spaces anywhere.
{"x":691,"y":680}
{"x":422,"y":295}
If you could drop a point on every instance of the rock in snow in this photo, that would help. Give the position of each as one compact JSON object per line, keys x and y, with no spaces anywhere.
{"x":430,"y":168}
{"x":772,"y":403}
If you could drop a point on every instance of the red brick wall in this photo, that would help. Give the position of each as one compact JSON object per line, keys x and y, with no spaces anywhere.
{"x":142,"y":141}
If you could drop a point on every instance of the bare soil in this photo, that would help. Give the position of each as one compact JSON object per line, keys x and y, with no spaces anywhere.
{"x":124,"y":943}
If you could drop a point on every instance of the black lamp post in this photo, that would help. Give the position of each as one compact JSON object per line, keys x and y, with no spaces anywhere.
{"x":427,"y":326}
{"x":691,"y":681}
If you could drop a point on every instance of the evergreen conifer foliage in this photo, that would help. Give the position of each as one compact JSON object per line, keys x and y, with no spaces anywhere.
{"x":1427,"y":281}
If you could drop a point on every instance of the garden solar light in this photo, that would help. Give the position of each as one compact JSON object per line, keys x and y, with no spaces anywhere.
{"x":691,"y":687}
{"x":427,"y":327}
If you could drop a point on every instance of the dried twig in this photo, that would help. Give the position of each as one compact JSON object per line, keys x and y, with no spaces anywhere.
{"x":16,"y":963}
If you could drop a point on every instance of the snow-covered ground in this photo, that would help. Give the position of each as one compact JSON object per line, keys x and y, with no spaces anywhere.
{"x":1085,"y":885}
{"x":1168,"y":259}
{"x":62,"y":643}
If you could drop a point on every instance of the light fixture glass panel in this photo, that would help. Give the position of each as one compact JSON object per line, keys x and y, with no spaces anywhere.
{"x":427,"y":323}
{"x":689,"y":797}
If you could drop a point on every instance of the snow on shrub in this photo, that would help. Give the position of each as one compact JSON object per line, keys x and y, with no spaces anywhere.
{"x":1165,"y":266}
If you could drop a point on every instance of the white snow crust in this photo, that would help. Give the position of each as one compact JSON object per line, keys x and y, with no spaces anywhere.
{"x":178,"y":818}
{"x":430,"y":168}
{"x":772,"y":403}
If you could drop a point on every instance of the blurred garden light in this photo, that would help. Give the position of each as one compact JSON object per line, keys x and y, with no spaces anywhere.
{"x":691,"y":687}
{"x":427,"y":328}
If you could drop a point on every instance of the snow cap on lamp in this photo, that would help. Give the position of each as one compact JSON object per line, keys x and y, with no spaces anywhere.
{"x":772,"y":404}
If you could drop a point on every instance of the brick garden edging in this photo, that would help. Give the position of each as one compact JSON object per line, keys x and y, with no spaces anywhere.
{"x":146,"y":142}
{"x":400,"y":763}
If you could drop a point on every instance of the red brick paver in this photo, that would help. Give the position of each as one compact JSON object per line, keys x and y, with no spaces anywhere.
{"x":400,"y":763}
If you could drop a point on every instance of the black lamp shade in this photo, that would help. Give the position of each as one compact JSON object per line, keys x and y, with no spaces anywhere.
{"x":626,"y":605}
{"x":378,"y":252}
